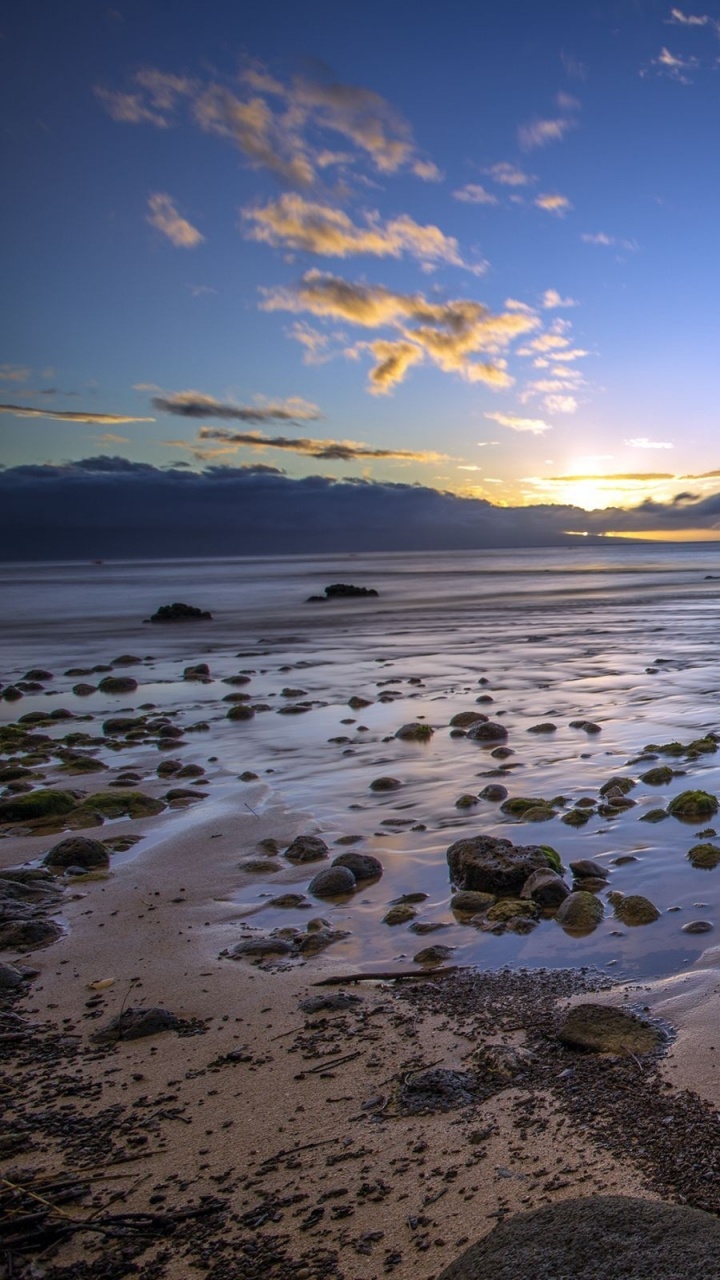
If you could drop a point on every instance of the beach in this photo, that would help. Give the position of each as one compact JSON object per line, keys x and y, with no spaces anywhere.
{"x":268,"y":1138}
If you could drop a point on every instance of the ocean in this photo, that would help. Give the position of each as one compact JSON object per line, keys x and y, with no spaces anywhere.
{"x":623,"y":636}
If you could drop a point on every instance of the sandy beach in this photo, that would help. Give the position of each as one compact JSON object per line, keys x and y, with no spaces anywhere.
{"x":390,"y":1122}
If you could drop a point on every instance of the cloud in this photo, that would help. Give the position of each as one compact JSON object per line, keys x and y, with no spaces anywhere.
{"x":295,"y":223}
{"x":14,"y":373}
{"x":551,"y":299}
{"x":642,"y":442}
{"x":449,"y":333}
{"x":164,"y":216}
{"x":602,"y":238}
{"x":62,"y":415}
{"x":559,"y":205}
{"x":279,"y":126}
{"x":538,"y":133}
{"x":330,"y":450}
{"x":473,"y":193}
{"x":613,"y":476}
{"x":193,"y":404}
{"x":690,"y":20}
{"x":535,"y":425}
{"x":109,"y":437}
{"x":675,"y":67}
{"x":509,"y":175}
{"x":394,"y":359}
{"x":561,"y":404}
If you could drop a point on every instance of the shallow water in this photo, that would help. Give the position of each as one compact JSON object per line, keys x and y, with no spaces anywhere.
{"x":626,"y":637}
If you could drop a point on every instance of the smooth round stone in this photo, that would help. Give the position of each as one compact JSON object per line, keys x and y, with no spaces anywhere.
{"x":363,"y":865}
{"x":697,"y":926}
{"x":331,"y":882}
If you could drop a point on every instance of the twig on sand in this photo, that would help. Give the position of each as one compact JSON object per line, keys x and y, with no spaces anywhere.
{"x":328,"y":1064}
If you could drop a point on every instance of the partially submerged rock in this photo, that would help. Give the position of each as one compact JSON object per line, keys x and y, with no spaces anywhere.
{"x":363,"y":865}
{"x":385,"y":784}
{"x":306,"y":849}
{"x":179,"y":612}
{"x":692,"y":806}
{"x":633,"y":909}
{"x":704,"y":856}
{"x":25,"y":935}
{"x":342,"y":591}
{"x":493,"y":865}
{"x":546,"y":888}
{"x":332,"y":882}
{"x":118,"y":684}
{"x":414,"y":732}
{"x":487,"y":731}
{"x":77,"y":851}
{"x":44,"y":803}
{"x":580,"y":913}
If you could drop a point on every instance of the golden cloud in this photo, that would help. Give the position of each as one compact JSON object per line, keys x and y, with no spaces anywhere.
{"x":330,"y":450}
{"x":164,"y":216}
{"x":551,"y":299}
{"x":559,"y":205}
{"x":62,"y":415}
{"x":193,"y":404}
{"x":474,"y":193}
{"x":509,"y":175}
{"x":534,"y":425}
{"x":295,"y":223}
{"x":538,"y":133}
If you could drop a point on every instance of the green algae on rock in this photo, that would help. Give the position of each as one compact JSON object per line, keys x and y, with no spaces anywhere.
{"x":690,"y":806}
{"x":599,"y":1028}
{"x":414,"y":732}
{"x":580,"y":913}
{"x":704,"y":856}
{"x":44,"y":803}
{"x":121,"y":804}
{"x":633,"y":909}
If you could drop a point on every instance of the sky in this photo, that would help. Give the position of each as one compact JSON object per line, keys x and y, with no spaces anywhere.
{"x":321,"y":255}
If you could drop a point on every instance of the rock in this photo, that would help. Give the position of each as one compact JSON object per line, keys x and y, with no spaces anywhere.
{"x":356,"y":703}
{"x":704,"y":856}
{"x":306,"y":849}
{"x":469,"y":902}
{"x":593,"y":1239}
{"x":433,"y":955}
{"x":38,"y":673}
{"x":510,"y":908}
{"x":342,"y":591}
{"x":385,"y":784}
{"x":487,"y":731}
{"x":43,"y":803}
{"x":697,"y":926}
{"x":77,"y":851}
{"x":493,"y":865}
{"x":288,"y":900}
{"x":436,"y":1089}
{"x":120,"y":804}
{"x":21,"y":935}
{"x":546,"y":888}
{"x":545,"y":727}
{"x":126,"y":660}
{"x":599,"y":1028}
{"x":576,"y":817}
{"x":414,"y":732}
{"x":588,"y":725}
{"x":261,"y":948}
{"x":464,"y":719}
{"x":259,"y":866}
{"x":623,"y":785}
{"x":318,"y":940}
{"x":330,"y":1003}
{"x":520,"y":806}
{"x":633,"y":908}
{"x":363,"y":865}
{"x":200,"y":671}
{"x":400,"y":914}
{"x":692,"y":806}
{"x":658,"y":777}
{"x":118,"y":684}
{"x":179,"y":612}
{"x":332,"y":882}
{"x":134,"y":1024}
{"x":10,"y":977}
{"x":654,"y":815}
{"x":580,"y":913}
{"x":494,"y":792}
{"x":586,"y":868}
{"x":240,"y":711}
{"x":466,"y":801}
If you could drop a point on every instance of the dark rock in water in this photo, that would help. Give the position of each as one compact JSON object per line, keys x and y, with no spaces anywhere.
{"x":306,"y":849}
{"x":545,"y":727}
{"x":691,"y":806}
{"x":658,"y":777}
{"x":133,"y":1024}
{"x":594,"y":1239}
{"x":399,"y":914}
{"x":585,"y":867}
{"x":363,"y":865}
{"x":10,"y":977}
{"x":126,"y":660}
{"x":118,"y":684}
{"x":493,"y":865}
{"x":11,"y":693}
{"x":240,"y":711}
{"x":433,"y":955}
{"x":385,"y":784}
{"x":618,"y":783}
{"x":332,"y":882}
{"x":588,"y":725}
{"x":599,"y":1028}
{"x":200,"y":671}
{"x":487,"y":731}
{"x":317,"y":940}
{"x":704,"y":856}
{"x":546,"y":888}
{"x":330,"y":1003}
{"x":633,"y":908}
{"x":697,"y":926}
{"x":288,"y":901}
{"x":580,"y":913}
{"x":179,"y":612}
{"x":494,"y":792}
{"x":654,"y":815}
{"x":84,"y":690}
{"x":261,"y":948}
{"x":77,"y":851}
{"x":37,"y":673}
{"x":342,"y":591}
{"x":43,"y":803}
{"x":414,"y":732}
{"x":464,"y":719}
{"x":27,"y":934}
{"x":470,"y":902}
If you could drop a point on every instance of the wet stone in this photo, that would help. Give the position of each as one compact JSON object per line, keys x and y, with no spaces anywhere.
{"x":363,"y":865}
{"x":306,"y":849}
{"x":598,"y":1028}
{"x":332,"y":882}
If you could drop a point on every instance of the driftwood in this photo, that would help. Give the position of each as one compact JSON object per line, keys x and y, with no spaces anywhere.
{"x":392,"y":975}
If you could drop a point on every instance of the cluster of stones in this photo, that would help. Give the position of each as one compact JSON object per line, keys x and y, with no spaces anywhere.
{"x":342,"y":591}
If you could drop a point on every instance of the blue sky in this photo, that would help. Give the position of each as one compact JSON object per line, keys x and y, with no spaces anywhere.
{"x":470,"y":246}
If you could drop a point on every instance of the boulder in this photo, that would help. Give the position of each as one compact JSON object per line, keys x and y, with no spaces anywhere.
{"x":261,"y":948}
{"x":77,"y":851}
{"x":704,"y":856}
{"x":586,"y":868}
{"x":493,"y":865}
{"x":400,"y":914}
{"x":468,"y":902}
{"x":332,"y":882}
{"x":593,"y":1239}
{"x":487,"y":731}
{"x":306,"y":849}
{"x":342,"y":591}
{"x":179,"y":612}
{"x":633,"y":908}
{"x":580,"y":913}
{"x":134,"y":1024}
{"x":546,"y":888}
{"x":24,"y":935}
{"x":494,"y":792}
{"x":599,"y":1028}
{"x":118,"y":684}
{"x":692,"y":806}
{"x":10,"y":977}
{"x":43,"y":803}
{"x":433,"y":955}
{"x":363,"y":865}
{"x":464,"y":719}
{"x":414,"y":732}
{"x":385,"y":784}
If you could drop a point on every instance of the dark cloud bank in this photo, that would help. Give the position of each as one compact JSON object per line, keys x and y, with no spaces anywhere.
{"x":110,"y":507}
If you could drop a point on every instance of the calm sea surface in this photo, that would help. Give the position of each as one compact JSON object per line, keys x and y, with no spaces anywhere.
{"x":623,"y":636}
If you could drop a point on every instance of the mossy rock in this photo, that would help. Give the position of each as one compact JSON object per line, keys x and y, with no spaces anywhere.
{"x":44,"y":803}
{"x":633,"y":909}
{"x":464,"y":719}
{"x":553,"y":857}
{"x":658,"y":777}
{"x":512,"y":908}
{"x":414,"y":732}
{"x":118,"y":684}
{"x":466,"y":801}
{"x":518,"y":806}
{"x":121,"y":804}
{"x":539,"y":813}
{"x":618,"y":783}
{"x":240,"y":711}
{"x":691,"y":806}
{"x":77,"y":851}
{"x":471,"y":902}
{"x":597,"y":1028}
{"x":704,"y":856}
{"x":80,"y":765}
{"x":654,"y":815}
{"x":400,"y":914}
{"x":576,"y":817}
{"x":702,"y":747}
{"x":580,"y":913}
{"x":665,"y":748}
